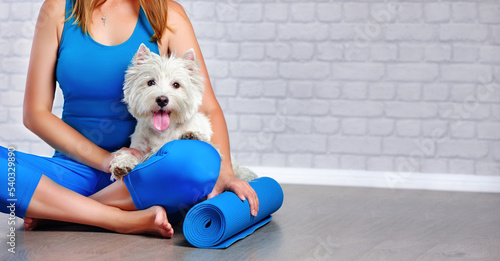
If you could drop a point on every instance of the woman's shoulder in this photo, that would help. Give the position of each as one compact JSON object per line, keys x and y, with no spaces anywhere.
{"x":177,"y":22}
{"x":54,"y":7}
{"x":53,"y":11}
{"x":176,"y":12}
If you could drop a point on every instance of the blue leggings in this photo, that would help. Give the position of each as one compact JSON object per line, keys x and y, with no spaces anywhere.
{"x":179,"y":175}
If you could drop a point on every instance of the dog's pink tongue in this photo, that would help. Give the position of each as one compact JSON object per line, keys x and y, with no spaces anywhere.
{"x":161,"y":120}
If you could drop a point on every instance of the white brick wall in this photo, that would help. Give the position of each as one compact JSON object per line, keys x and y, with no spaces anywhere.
{"x":370,"y":84}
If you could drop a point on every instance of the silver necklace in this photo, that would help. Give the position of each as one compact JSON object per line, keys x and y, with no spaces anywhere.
{"x":104,"y":17}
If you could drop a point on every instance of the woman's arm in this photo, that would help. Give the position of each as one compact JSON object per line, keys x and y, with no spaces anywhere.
{"x":40,"y":89}
{"x":180,"y":40}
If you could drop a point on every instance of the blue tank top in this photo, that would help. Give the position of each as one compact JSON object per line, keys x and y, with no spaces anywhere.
{"x":91,"y":78}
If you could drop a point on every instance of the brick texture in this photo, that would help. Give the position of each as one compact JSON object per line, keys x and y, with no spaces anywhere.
{"x":375,"y":85}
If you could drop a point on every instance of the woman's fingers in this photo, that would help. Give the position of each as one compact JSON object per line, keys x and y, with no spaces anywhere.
{"x":133,"y":151}
{"x":242,"y":189}
{"x":216,"y":191}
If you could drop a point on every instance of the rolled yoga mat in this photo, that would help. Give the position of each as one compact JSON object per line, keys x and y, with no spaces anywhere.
{"x":222,"y":220}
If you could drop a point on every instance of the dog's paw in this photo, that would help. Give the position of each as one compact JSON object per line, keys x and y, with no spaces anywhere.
{"x":122,"y":164}
{"x":189,"y":136}
{"x":118,"y":173}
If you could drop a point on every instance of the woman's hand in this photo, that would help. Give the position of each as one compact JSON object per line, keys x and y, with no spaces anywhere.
{"x":106,"y":163}
{"x":227,"y":181}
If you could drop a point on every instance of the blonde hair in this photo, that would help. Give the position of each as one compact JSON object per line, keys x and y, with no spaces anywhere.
{"x":156,"y":13}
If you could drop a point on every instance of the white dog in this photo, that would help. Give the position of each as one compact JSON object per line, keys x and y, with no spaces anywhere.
{"x":164,"y":94}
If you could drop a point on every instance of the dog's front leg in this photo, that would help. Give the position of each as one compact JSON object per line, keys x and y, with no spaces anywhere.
{"x":122,"y":163}
{"x":190,"y":135}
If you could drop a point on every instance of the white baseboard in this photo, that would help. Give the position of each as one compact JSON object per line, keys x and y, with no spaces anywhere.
{"x":375,"y":179}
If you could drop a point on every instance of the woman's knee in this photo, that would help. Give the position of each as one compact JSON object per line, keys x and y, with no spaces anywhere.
{"x":180,"y":174}
{"x":196,"y":160}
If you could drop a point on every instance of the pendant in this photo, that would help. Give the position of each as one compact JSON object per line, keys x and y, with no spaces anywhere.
{"x":103,"y":20}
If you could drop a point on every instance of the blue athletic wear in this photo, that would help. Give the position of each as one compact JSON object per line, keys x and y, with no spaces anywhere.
{"x":180,"y":174}
{"x":91,"y":77}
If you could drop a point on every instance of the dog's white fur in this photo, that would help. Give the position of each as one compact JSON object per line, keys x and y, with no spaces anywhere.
{"x":183,"y":105}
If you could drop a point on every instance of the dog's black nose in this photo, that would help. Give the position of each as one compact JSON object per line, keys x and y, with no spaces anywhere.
{"x":162,"y":101}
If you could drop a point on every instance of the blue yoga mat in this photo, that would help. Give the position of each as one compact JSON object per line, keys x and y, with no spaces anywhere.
{"x":222,"y":220}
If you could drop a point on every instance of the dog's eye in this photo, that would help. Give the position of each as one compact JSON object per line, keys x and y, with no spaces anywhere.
{"x":151,"y":82}
{"x":176,"y":85}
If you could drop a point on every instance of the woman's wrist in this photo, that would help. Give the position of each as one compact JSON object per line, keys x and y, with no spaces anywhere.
{"x":106,"y":162}
{"x":226,"y":168}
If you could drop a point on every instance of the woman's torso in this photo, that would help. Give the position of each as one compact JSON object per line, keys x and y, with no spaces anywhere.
{"x":91,"y":76}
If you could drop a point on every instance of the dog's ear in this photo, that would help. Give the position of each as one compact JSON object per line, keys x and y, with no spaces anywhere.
{"x":142,"y":54}
{"x":189,"y":55}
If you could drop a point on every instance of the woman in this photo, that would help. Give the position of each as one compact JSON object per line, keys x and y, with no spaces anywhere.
{"x":86,"y":46}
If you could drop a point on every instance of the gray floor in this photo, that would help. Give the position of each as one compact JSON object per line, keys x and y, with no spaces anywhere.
{"x":315,"y":223}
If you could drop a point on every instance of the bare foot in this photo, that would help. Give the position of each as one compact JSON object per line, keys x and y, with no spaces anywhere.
{"x":30,"y":223}
{"x":151,"y":221}
{"x":36,"y":223}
